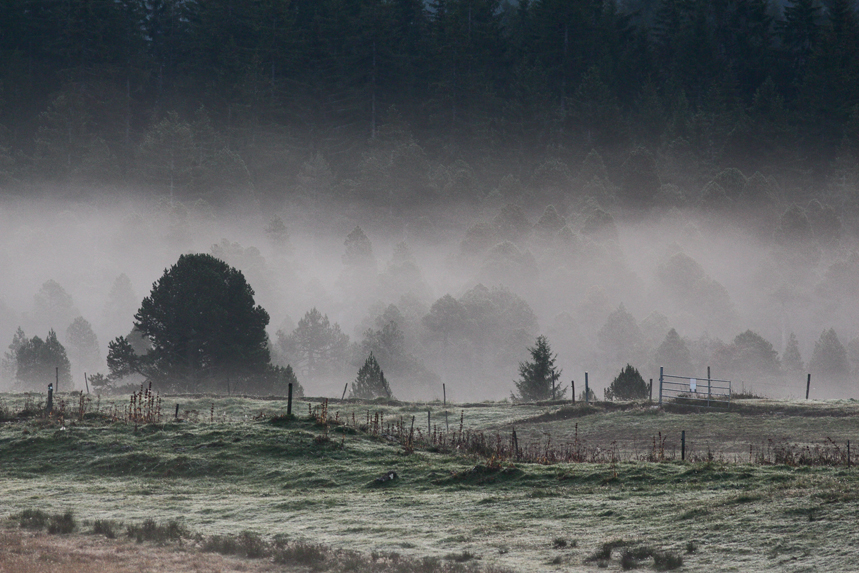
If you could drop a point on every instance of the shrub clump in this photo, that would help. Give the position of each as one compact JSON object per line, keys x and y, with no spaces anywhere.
{"x":62,"y":524}
{"x":32,"y":519}
{"x":628,"y":385}
{"x":37,"y":520}
{"x":667,"y":561}
{"x":301,"y":553}
{"x":105,"y":527}
{"x":160,"y":533}
{"x":247,"y":544}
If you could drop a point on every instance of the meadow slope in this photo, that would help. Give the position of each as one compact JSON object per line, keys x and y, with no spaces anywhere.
{"x":230,"y":465}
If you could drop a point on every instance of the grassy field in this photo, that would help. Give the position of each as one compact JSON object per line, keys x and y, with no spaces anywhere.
{"x":768,"y":488}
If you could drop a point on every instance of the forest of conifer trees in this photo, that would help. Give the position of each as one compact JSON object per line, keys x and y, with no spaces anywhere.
{"x":201,"y":98}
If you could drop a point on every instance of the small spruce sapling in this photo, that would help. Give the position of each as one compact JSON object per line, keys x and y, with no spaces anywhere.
{"x":538,"y":379}
{"x":371,"y":382}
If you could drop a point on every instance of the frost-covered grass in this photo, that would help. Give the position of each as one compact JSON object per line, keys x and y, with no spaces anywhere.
{"x":242,"y":468}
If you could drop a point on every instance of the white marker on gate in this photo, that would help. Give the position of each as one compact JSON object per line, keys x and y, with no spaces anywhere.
{"x":693,"y":384}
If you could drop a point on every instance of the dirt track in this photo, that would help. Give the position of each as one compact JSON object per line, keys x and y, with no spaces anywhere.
{"x":27,"y":552}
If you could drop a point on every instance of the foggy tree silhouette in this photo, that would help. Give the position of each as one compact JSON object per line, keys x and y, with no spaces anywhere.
{"x":499,"y":324}
{"x":792,"y":359}
{"x":539,"y":375}
{"x":829,"y":359}
{"x":387,"y":345}
{"x":10,"y":357}
{"x":83,"y":346}
{"x":674,"y":355}
{"x":277,"y":234}
{"x":121,"y":303}
{"x":36,"y":362}
{"x":318,"y":348}
{"x":204,"y":327}
{"x":446,"y":318}
{"x":620,"y":336}
{"x":53,"y":305}
{"x":748,"y":353}
{"x":359,"y":250}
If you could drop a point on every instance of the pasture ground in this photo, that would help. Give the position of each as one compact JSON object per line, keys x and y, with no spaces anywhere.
{"x":768,"y":488}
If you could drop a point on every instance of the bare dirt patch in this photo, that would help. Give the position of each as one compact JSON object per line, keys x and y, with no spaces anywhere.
{"x":29,"y":552}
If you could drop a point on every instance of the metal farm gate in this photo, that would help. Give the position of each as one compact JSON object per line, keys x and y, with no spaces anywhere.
{"x":706,"y":392}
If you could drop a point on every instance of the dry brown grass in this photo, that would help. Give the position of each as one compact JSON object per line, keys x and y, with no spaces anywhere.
{"x":29,"y":552}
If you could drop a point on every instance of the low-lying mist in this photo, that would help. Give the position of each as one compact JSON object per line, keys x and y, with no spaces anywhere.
{"x":605,"y":286}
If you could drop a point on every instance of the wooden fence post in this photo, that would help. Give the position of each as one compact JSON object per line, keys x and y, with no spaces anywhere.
{"x":587,"y":390}
{"x":50,"y":406}
{"x":289,"y":400}
{"x":661,"y":376}
{"x":573,"y":388}
{"x":515,"y":444}
{"x":807,"y":386}
{"x":708,"y":386}
{"x":683,"y":445}
{"x":346,"y":387}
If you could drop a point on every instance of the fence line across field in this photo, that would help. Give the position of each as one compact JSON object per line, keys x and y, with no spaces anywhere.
{"x":717,"y":391}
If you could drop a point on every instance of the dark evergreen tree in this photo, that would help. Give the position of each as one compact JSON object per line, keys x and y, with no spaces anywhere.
{"x":538,"y":378}
{"x":204,"y":328}
{"x":831,"y":82}
{"x":800,"y":31}
{"x":371,"y":382}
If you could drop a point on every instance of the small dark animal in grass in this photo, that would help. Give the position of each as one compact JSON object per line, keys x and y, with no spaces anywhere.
{"x":388,"y":476}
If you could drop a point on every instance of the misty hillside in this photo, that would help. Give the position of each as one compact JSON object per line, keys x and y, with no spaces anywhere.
{"x":659,"y":183}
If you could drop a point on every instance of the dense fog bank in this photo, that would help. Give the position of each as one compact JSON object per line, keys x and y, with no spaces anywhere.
{"x":456,"y":293}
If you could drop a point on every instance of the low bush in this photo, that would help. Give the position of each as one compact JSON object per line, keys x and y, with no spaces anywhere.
{"x":32,"y":519}
{"x":667,"y":561}
{"x":301,"y":553}
{"x":160,"y":533}
{"x":62,"y":524}
{"x":106,"y":527}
